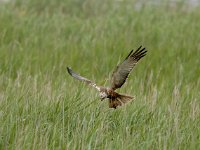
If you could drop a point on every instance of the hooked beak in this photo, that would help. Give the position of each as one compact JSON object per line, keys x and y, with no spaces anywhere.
{"x":102,"y":99}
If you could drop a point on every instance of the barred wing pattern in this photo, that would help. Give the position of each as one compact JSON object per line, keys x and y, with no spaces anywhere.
{"x":78,"y":77}
{"x":122,"y":71}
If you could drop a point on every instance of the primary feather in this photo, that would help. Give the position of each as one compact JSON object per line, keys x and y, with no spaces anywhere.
{"x":122,"y":71}
{"x":78,"y":77}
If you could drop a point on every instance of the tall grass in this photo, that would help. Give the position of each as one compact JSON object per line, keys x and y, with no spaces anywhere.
{"x":42,"y":107}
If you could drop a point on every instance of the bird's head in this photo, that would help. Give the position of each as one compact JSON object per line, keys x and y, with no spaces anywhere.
{"x":103,"y":95}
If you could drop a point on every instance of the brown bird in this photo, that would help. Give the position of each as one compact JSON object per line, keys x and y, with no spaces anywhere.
{"x":118,"y":78}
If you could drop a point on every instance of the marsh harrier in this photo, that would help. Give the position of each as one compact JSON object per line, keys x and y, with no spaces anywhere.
{"x":118,"y":78}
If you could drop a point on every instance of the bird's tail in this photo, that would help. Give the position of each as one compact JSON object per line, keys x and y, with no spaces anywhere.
{"x":120,"y":100}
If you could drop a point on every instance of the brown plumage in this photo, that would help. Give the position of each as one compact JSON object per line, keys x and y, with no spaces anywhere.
{"x":118,"y":78}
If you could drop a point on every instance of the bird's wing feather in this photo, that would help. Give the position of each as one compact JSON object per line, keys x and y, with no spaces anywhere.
{"x":122,"y":71}
{"x":78,"y":77}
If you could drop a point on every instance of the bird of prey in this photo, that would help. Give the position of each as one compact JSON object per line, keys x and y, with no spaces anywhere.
{"x":118,"y":78}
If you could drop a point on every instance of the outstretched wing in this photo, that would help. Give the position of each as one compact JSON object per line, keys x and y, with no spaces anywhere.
{"x":122,"y":71}
{"x":75,"y":75}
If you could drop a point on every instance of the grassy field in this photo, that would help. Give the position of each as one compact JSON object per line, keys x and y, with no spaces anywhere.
{"x":42,"y":107}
